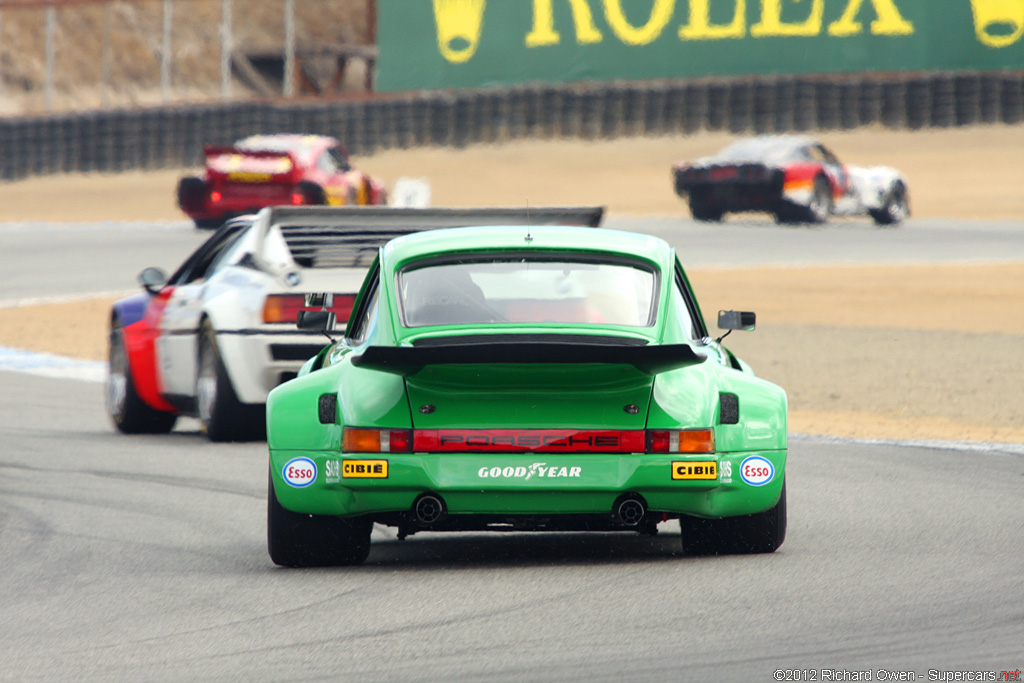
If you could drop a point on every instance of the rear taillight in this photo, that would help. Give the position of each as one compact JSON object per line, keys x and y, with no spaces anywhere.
{"x":298,"y":198}
{"x":528,"y":440}
{"x":553,"y":441}
{"x":681,"y":441}
{"x":284,"y":308}
{"x":357,"y":440}
{"x":216,"y":196}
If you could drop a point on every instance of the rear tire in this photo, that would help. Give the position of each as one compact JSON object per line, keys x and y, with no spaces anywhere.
{"x":130,"y":414}
{"x":298,"y":540}
{"x":762,"y":532}
{"x":208,"y":223}
{"x":223,"y":416}
{"x":312,"y":193}
{"x":702,"y":211}
{"x":820,"y":207}
{"x":817,"y":212}
{"x":191,"y":193}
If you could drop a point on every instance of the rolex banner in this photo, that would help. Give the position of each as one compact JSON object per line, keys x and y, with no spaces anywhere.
{"x":426,"y":44}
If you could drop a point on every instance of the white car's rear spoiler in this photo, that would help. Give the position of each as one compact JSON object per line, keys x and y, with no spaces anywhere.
{"x":328,"y":236}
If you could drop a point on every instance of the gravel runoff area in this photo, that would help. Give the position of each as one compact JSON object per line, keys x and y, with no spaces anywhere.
{"x":926,"y":352}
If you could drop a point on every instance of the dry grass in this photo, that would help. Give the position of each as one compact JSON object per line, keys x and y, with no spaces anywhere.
{"x":136,"y":33}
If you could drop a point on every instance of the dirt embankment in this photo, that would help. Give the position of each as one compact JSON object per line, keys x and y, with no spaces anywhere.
{"x":888,"y":351}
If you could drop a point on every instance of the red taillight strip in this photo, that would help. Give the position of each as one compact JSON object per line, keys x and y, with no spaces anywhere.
{"x":372,"y":440}
{"x":529,"y":440}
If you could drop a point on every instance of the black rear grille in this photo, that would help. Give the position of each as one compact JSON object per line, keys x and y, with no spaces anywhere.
{"x":294,"y":351}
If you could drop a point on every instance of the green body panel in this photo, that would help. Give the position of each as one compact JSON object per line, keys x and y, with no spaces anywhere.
{"x":527,"y":396}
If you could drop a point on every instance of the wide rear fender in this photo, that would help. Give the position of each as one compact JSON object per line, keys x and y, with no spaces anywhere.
{"x":365,"y":398}
{"x":874,"y":184}
{"x":692,"y":398}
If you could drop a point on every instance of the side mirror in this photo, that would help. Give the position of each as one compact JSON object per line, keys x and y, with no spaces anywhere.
{"x":736,"y":320}
{"x":317,"y":321}
{"x":152,"y":279}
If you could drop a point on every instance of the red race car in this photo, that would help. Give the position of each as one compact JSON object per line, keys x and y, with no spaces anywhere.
{"x":271,"y":170}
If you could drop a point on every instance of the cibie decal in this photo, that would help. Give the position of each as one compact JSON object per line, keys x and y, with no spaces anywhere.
{"x":364,"y":469}
{"x":695,"y":470}
{"x":757,"y":471}
{"x":299,"y":472}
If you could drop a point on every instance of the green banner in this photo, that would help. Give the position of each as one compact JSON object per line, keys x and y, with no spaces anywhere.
{"x":428,"y":44}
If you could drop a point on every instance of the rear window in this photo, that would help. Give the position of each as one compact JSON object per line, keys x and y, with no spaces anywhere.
{"x":766,"y":151}
{"x":537,"y":289}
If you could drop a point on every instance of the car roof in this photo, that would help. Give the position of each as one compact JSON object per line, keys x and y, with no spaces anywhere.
{"x":764,"y":146}
{"x":286,"y":142}
{"x":524,"y":238}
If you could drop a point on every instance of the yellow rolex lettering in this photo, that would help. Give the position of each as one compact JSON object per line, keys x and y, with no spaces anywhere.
{"x":661,"y":14}
{"x":701,"y":28}
{"x":998,"y":23}
{"x":771,"y":23}
{"x":459,"y":23}
{"x":544,"y":33}
{"x":889,"y":22}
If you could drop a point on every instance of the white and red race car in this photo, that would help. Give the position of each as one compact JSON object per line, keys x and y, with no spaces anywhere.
{"x":796,"y":178}
{"x":215,"y":337}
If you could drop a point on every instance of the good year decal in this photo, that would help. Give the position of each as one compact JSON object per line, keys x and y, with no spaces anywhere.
{"x":538,"y":469}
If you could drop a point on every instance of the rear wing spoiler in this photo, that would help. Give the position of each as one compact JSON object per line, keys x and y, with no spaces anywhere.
{"x":413,"y":220}
{"x":408,"y":360}
{"x":260,"y":165}
{"x":213,"y":151}
{"x":336,"y":236}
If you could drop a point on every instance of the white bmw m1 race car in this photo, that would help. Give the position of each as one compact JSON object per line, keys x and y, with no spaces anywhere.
{"x":215,"y":337}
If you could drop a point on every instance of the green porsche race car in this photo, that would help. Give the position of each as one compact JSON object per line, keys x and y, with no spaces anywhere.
{"x":524,"y":378}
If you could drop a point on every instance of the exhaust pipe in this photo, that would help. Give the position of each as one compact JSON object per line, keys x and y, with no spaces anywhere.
{"x":630,"y":511}
{"x":428,"y":509}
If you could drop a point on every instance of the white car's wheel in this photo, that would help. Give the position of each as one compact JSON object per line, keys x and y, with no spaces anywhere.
{"x":223,"y":416}
{"x":130,"y":414}
{"x":896,"y":207}
{"x":820,"y":206}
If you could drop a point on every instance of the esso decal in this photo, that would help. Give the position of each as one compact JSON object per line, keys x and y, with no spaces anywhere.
{"x":299,"y":472}
{"x":757,"y":471}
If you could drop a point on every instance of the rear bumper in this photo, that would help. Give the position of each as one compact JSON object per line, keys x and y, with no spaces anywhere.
{"x":258,"y":360}
{"x":738,"y":196}
{"x":524,"y":484}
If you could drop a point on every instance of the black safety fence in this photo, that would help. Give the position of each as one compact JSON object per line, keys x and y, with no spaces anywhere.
{"x":173,"y":137}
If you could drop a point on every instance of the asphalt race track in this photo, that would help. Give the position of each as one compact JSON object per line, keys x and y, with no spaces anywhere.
{"x":144,"y":558}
